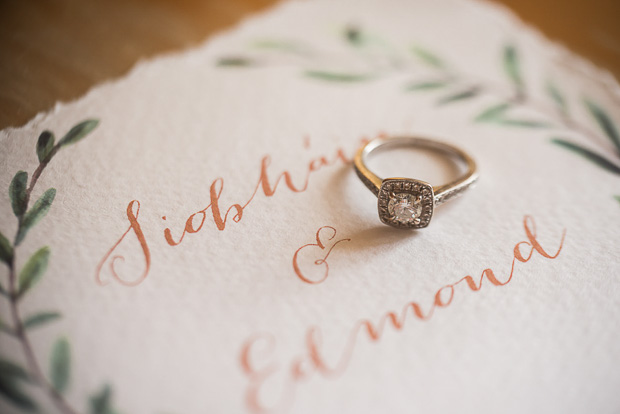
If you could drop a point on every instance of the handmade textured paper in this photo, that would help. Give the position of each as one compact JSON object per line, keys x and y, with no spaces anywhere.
{"x":216,"y":178}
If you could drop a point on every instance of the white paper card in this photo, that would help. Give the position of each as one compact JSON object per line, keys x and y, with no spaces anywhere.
{"x":212,"y":250}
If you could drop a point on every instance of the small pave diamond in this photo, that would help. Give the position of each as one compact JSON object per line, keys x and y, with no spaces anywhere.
{"x":405,"y":203}
{"x":405,"y":208}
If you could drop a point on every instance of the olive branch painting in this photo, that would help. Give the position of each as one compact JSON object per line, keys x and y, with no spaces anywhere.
{"x":451,"y":86}
{"x":16,"y":381}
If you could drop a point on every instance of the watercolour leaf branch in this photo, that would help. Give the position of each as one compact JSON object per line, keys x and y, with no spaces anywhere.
{"x":278,"y":45}
{"x":356,"y":37}
{"x":78,"y":132}
{"x":12,"y":370}
{"x":337,"y":76}
{"x":427,"y":57}
{"x":6,"y":250}
{"x":589,"y":155}
{"x":13,"y":377}
{"x":39,"y":319}
{"x":460,"y":96}
{"x":493,"y":113}
{"x":17,"y":193}
{"x":60,"y":365}
{"x":512,"y":68}
{"x":45,"y":145}
{"x":557,"y":97}
{"x":362,"y":39}
{"x":234,"y":61}
{"x":524,"y":123}
{"x":499,"y":113}
{"x":101,"y":403}
{"x":11,"y":387}
{"x":422,"y":86}
{"x":605,"y":123}
{"x":33,"y":270}
{"x":35,"y":214}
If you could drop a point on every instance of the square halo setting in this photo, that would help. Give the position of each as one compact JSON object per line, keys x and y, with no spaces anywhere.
{"x":405,"y":203}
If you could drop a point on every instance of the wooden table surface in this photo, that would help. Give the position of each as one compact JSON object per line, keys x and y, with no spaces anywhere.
{"x":56,"y":51}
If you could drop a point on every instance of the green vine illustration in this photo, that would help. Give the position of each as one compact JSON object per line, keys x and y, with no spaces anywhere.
{"x":14,"y":379}
{"x":453,"y":86}
{"x":557,"y":116}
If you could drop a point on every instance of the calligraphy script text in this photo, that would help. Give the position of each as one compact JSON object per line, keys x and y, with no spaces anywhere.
{"x":259,"y":358}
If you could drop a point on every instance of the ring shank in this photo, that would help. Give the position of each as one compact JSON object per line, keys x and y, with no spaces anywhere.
{"x":442,"y":193}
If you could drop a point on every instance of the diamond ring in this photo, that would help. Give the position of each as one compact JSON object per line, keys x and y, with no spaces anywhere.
{"x":407,"y":203}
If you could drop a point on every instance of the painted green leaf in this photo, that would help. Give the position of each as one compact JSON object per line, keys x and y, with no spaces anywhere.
{"x":35,"y":214}
{"x":11,"y":390}
{"x":39,"y":319}
{"x":101,"y":402}
{"x":33,"y":270}
{"x":617,"y":197}
{"x":235,"y":61}
{"x":428,"y":57}
{"x":17,"y":193}
{"x":604,"y":121}
{"x":423,"y":86}
{"x":588,"y":154}
{"x":60,"y":365}
{"x":511,"y":66}
{"x":557,"y":97}
{"x":337,"y":76}
{"x":78,"y":132}
{"x":6,"y":250}
{"x":280,"y":45}
{"x":354,"y":35}
{"x":492,"y":113}
{"x":10,"y":370}
{"x":459,"y":96}
{"x":524,"y":123}
{"x":45,"y":144}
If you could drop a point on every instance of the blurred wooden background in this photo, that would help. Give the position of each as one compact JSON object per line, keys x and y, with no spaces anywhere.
{"x":52,"y":51}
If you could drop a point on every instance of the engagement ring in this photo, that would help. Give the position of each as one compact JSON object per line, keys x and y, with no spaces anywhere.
{"x":407,"y":203}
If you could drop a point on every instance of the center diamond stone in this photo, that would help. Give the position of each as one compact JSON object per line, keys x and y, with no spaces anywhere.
{"x":406,"y":208}
{"x":405,"y":203}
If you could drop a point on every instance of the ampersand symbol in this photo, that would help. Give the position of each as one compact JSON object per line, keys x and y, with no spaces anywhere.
{"x":321,"y":245}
